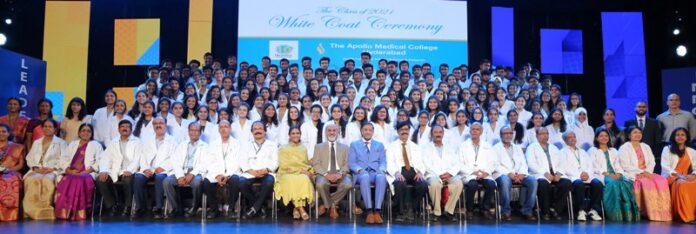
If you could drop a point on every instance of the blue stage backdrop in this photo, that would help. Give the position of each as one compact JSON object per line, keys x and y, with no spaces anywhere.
{"x":624,"y":62}
{"x":342,"y":29}
{"x":503,"y":36}
{"x":681,"y":81}
{"x":561,"y":51}
{"x":23,"y":77}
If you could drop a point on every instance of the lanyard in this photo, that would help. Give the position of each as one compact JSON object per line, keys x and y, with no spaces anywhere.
{"x":476,"y":150}
{"x":257,"y":146}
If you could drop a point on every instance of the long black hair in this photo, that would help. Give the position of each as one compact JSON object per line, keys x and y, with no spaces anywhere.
{"x":673,"y":146}
{"x":83,"y":109}
{"x":141,"y":120}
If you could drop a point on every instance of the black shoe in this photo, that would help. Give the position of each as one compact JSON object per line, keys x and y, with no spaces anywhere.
{"x":126,"y":212}
{"x":435,"y":218}
{"x":400,"y":218}
{"x":469,"y":215}
{"x":138,"y":213}
{"x":262,"y":213}
{"x":191,"y":212}
{"x":157,"y":213}
{"x":546,"y":217}
{"x":451,"y":217}
{"x":530,"y":217}
{"x":113,"y":211}
{"x":488,"y":214}
{"x":506,"y":217}
{"x":232,"y":214}
{"x":171,"y":215}
{"x":212,"y":214}
{"x":250,"y":214}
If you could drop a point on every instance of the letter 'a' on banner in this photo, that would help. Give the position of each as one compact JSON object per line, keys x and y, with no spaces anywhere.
{"x":22,"y":77}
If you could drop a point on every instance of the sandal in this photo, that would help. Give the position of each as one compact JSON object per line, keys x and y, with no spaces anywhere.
{"x":305,"y":216}
{"x":295,"y":214}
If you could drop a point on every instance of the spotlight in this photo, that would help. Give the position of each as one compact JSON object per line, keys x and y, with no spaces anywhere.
{"x":676,"y":31}
{"x":681,"y":50}
{"x":3,"y":39}
{"x":8,"y":21}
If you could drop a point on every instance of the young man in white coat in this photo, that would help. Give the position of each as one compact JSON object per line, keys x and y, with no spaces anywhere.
{"x":224,"y":171}
{"x":118,"y":163}
{"x":479,"y":161}
{"x":405,"y":167}
{"x":579,"y":169}
{"x":547,"y":164}
{"x":189,"y":165}
{"x":442,"y":165}
{"x":154,"y":166}
{"x":512,"y":169}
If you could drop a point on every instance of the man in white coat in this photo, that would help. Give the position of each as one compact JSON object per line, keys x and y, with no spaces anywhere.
{"x":547,"y":164}
{"x":118,"y":163}
{"x":154,"y":166}
{"x":512,"y":169}
{"x":189,"y":165}
{"x":405,"y":167}
{"x":579,"y":169}
{"x":442,"y":168}
{"x":258,"y":161}
{"x":224,"y":171}
{"x":479,"y":161}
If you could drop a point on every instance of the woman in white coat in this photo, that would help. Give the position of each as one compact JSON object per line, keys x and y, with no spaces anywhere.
{"x":583,"y":131}
{"x":102,"y":117}
{"x":619,"y":199}
{"x":652,"y":190}
{"x":678,"y":163}
{"x":44,"y":161}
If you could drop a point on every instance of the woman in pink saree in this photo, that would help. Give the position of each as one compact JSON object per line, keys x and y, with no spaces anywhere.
{"x":74,"y":193}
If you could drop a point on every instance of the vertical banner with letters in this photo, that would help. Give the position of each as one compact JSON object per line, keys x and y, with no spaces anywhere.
{"x":23,"y":77}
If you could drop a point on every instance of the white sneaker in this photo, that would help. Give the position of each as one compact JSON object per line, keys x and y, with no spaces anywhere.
{"x":595,"y":216}
{"x":582,"y":216}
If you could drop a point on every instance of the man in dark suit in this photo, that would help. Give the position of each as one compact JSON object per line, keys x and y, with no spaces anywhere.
{"x":367,"y":161}
{"x":330,"y":163}
{"x":652,"y":131}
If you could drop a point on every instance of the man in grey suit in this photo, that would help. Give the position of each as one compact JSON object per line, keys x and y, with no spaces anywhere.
{"x":367,"y":161}
{"x":330,"y":163}
{"x":652,"y":131}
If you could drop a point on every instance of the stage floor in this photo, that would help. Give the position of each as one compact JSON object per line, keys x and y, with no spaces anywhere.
{"x":325,"y":226}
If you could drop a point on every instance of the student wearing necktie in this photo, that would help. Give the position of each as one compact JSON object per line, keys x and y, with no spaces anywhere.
{"x":405,"y":167}
{"x":367,"y":161}
{"x":330,"y":163}
{"x":546,"y":164}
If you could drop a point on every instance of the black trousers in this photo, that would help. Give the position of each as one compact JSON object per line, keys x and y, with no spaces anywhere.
{"x":555,"y":197}
{"x":109,"y":193}
{"x":253,"y":199}
{"x":407,"y":198}
{"x":596,"y":193}
{"x":210,"y":189}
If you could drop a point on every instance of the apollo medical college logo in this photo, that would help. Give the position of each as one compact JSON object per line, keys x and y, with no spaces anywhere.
{"x":283,"y":49}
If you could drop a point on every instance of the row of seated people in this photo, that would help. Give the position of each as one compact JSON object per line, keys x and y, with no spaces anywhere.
{"x":62,"y":175}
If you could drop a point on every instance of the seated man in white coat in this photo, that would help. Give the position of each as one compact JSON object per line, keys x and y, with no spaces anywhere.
{"x":258,"y":161}
{"x":189,"y":166}
{"x":405,"y":167}
{"x":547,"y":164}
{"x":479,"y":164}
{"x":512,"y":169}
{"x":224,"y":171}
{"x":118,"y":163}
{"x":442,"y":165}
{"x":154,"y":166}
{"x":579,"y":169}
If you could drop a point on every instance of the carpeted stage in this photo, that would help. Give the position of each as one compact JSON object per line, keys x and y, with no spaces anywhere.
{"x":325,"y":226}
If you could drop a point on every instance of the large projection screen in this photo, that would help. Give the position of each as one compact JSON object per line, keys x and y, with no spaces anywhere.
{"x":415,"y":31}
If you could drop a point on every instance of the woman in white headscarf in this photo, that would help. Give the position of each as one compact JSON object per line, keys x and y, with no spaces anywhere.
{"x":583,"y":131}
